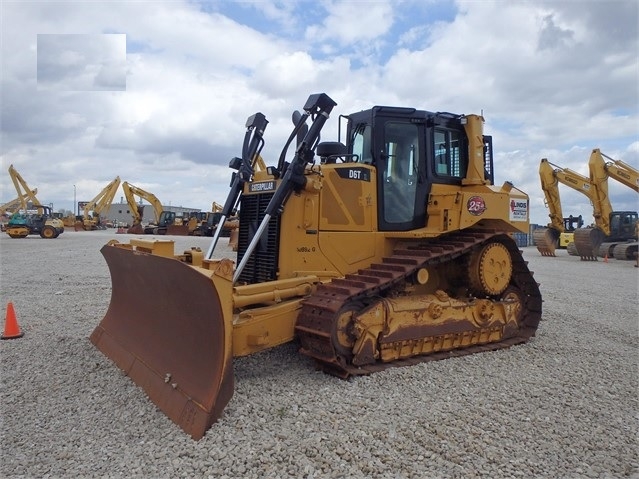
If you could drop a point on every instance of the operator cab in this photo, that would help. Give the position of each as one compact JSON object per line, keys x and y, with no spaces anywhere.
{"x":622,"y":225}
{"x":411,"y":149}
{"x":167,"y":218}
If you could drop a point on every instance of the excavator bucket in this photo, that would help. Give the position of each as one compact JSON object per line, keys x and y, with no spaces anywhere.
{"x":587,"y":242}
{"x":546,"y":240}
{"x":177,"y":230}
{"x":168,"y":327}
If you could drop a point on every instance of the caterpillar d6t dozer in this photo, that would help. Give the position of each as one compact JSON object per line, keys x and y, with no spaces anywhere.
{"x":391,"y":248}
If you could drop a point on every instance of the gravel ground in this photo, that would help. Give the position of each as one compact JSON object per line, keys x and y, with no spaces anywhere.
{"x":563,"y":405}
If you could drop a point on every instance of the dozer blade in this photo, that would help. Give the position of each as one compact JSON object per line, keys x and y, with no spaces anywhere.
{"x":166,"y":328}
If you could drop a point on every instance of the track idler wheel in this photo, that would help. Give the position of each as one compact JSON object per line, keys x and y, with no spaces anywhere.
{"x":490,"y":269}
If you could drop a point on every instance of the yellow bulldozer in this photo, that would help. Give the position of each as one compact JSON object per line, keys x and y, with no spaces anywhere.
{"x":388,"y":249}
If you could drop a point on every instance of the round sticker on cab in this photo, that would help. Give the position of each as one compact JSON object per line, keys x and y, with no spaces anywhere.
{"x":476,"y":205}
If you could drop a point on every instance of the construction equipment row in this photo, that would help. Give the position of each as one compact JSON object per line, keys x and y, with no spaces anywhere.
{"x":614,"y":233}
{"x":41,"y":220}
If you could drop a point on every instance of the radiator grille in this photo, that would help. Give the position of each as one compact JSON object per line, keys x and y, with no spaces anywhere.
{"x":262,"y":265}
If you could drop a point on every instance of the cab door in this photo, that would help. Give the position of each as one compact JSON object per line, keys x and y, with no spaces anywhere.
{"x":401,"y":167}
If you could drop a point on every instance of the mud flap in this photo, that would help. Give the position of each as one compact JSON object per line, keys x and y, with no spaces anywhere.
{"x":168,"y":330}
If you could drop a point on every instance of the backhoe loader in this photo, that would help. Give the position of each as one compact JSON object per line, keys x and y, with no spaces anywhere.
{"x":383,"y":250}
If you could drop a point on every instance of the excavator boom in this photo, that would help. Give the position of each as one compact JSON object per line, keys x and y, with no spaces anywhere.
{"x":130,"y":192}
{"x":617,"y":236}
{"x":99,"y":204}
{"x":616,"y":169}
{"x":16,"y":203}
{"x":589,"y":242}
{"x":547,"y":239}
{"x":25,"y":194}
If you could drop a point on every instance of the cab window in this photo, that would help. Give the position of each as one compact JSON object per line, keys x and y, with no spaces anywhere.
{"x":362,"y":144}
{"x":448,"y":153}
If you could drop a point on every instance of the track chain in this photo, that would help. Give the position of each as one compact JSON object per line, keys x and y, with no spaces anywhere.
{"x":320,"y":312}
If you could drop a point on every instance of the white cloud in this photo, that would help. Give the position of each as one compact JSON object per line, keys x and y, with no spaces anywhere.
{"x":352,"y":22}
{"x":81,"y":62}
{"x":554,"y":79}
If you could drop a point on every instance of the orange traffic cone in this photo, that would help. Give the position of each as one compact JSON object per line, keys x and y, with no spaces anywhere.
{"x":11,"y":328}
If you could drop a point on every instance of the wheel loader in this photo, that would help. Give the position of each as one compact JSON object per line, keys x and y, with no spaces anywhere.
{"x":390,"y":248}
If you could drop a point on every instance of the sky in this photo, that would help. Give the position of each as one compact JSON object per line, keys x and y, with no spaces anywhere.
{"x":158,"y":92}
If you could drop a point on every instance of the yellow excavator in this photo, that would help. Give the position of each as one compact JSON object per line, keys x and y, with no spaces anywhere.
{"x":22,"y":223}
{"x":165,"y":221}
{"x":615,"y":234}
{"x":16,"y":203}
{"x":91,"y":219}
{"x":388,"y":249}
{"x":560,"y":230}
